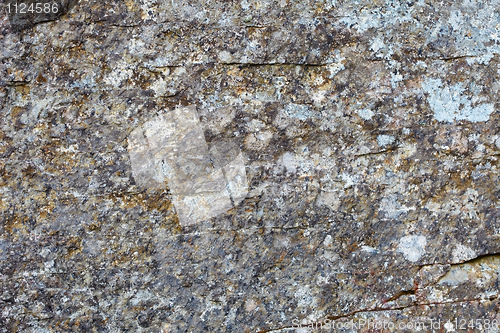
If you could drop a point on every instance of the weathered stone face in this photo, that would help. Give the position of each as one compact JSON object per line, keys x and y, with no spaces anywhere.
{"x":251,"y":166}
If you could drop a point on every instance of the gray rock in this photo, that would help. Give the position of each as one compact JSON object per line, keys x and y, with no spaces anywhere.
{"x":251,"y":166}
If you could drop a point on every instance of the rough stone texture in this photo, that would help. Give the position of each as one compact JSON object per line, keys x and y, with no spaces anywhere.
{"x":370,"y":135}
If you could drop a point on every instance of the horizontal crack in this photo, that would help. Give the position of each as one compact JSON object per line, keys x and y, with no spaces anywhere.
{"x":378,"y":152}
{"x":14,"y":83}
{"x":447,"y":58}
{"x":470,"y":261}
{"x":125,"y":25}
{"x":252,"y":64}
{"x":400,"y":294}
{"x":156,"y":69}
{"x":376,"y":309}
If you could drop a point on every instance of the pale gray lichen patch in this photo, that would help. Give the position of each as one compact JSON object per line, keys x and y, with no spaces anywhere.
{"x":391,"y":208}
{"x":385,"y":140}
{"x":449,"y":103}
{"x":171,"y":149}
{"x":366,"y":114}
{"x":412,"y":247}
{"x":331,"y":199}
{"x":299,"y":111}
{"x":463,"y":253}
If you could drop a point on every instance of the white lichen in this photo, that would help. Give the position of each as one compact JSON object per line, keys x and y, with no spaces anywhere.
{"x":462,"y":253}
{"x":412,"y":247}
{"x":450,"y":103}
{"x":366,"y":114}
{"x":385,"y":140}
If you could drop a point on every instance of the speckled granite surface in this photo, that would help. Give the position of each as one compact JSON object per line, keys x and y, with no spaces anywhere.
{"x":337,"y":164}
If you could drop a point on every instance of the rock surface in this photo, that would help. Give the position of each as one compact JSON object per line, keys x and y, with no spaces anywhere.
{"x":369,"y":136}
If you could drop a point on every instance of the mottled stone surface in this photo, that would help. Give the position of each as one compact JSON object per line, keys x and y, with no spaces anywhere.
{"x":369,"y":136}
